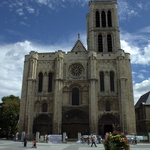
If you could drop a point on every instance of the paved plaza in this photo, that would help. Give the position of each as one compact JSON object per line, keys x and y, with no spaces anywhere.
{"x":12,"y":145}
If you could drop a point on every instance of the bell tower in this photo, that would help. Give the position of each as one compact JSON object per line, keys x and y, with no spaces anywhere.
{"x":102,"y":26}
{"x":110,"y":75}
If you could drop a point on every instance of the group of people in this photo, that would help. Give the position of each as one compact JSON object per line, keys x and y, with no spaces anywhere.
{"x":25,"y":142}
{"x":93,"y":139}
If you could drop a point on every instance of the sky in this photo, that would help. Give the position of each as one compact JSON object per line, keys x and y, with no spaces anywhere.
{"x":51,"y":25}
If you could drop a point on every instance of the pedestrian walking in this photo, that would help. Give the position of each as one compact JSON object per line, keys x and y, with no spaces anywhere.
{"x":34,"y":144}
{"x":99,"y":139}
{"x":88,"y":139}
{"x":66,"y":138}
{"x":94,"y":139}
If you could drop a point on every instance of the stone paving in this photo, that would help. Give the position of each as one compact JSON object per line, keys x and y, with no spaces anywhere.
{"x":12,"y":145}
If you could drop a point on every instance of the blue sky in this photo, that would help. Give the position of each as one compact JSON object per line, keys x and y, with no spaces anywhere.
{"x":51,"y":25}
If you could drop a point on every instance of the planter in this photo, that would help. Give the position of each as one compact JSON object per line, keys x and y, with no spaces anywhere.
{"x":116,"y":141}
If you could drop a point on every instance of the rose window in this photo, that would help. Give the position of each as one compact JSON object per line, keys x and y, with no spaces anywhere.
{"x":76,"y":70}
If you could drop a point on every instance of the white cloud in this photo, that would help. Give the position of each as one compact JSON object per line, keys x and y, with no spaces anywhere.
{"x":145,"y":30}
{"x":20,"y":12}
{"x":141,"y":88}
{"x":138,"y":46}
{"x":11,"y":64}
{"x":145,"y":71}
{"x":130,"y":8}
{"x":126,"y":8}
{"x":138,"y":55}
{"x":30,"y":9}
{"x":11,"y":67}
{"x":140,"y":76}
{"x":24,"y":23}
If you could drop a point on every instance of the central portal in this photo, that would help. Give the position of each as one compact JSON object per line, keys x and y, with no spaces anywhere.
{"x":108,"y":128}
{"x":75,"y":121}
{"x":74,"y":129}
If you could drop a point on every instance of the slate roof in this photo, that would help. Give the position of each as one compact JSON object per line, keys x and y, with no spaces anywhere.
{"x":143,"y":99}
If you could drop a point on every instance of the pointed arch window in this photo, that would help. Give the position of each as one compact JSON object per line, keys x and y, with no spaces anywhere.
{"x":97,"y":19}
{"x":100,"y":43}
{"x":112,"y":81}
{"x":75,"y":96}
{"x":107,"y":105}
{"x":103,"y":16}
{"x":109,"y":19}
{"x":102,"y":87}
{"x":40,"y":85}
{"x":50,"y":81}
{"x":109,"y":43}
{"x":44,"y":107}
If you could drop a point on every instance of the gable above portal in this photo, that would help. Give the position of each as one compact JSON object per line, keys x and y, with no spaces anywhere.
{"x":78,"y":47}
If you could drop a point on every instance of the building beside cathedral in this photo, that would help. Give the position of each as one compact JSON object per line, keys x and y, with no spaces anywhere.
{"x":142,"y":113}
{"x":84,"y":90}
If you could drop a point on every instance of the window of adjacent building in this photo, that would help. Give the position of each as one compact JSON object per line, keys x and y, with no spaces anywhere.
{"x":103,"y":16}
{"x":107,"y":105}
{"x":40,"y":86}
{"x":102,"y":81}
{"x":100,"y":43}
{"x":109,"y":19}
{"x":97,"y":19}
{"x":112,"y":84}
{"x":109,"y":43}
{"x":75,"y":96}
{"x":44,"y":107}
{"x":50,"y":81}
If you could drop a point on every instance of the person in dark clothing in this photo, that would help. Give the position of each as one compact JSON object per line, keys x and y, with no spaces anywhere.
{"x":25,"y":142}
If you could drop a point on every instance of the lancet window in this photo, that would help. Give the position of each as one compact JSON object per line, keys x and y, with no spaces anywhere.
{"x":107,"y":105}
{"x":97,"y":19}
{"x":40,"y":85}
{"x":75,"y":96}
{"x":112,"y":82}
{"x":109,"y":19}
{"x":100,"y":43}
{"x":102,"y":87}
{"x":50,"y":82}
{"x":44,"y":107}
{"x":109,"y":43}
{"x":103,"y":16}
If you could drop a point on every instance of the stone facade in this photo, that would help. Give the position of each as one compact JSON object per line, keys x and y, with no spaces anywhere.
{"x":84,"y":90}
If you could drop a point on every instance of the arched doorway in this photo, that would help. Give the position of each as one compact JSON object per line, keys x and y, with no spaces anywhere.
{"x":42,"y":124}
{"x":75,"y":121}
{"x":106,"y":123}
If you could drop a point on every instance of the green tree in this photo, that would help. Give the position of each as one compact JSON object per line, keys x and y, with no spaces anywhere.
{"x":9,"y":115}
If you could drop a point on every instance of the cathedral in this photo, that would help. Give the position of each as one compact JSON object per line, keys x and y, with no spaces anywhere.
{"x":86,"y":90}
